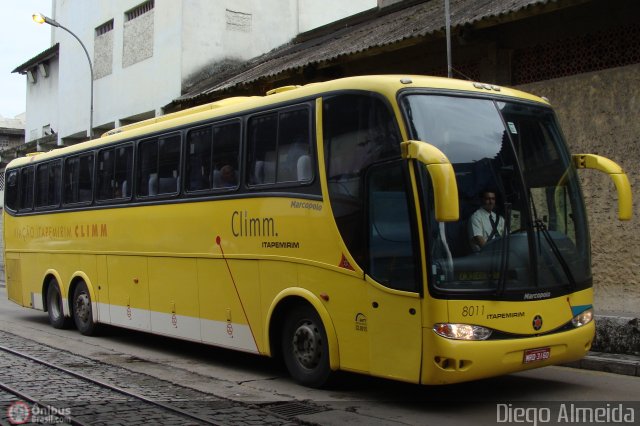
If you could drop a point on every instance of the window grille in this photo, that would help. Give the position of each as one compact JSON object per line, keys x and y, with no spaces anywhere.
{"x":139,"y":10}
{"x":104,"y":28}
{"x":614,"y":47}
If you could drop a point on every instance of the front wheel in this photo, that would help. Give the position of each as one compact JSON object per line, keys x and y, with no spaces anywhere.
{"x":54,"y":307}
{"x":304,"y":347}
{"x":82,"y":310}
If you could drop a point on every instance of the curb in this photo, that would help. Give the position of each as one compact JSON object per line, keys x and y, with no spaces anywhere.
{"x":628,"y":365}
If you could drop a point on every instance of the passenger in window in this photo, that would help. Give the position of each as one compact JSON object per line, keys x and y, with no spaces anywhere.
{"x":228,"y":177}
{"x":485,"y":224}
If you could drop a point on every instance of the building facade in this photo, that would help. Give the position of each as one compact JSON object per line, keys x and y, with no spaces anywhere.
{"x":145,"y":54}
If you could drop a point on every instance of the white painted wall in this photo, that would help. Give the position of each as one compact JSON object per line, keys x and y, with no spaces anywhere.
{"x":42,"y":103}
{"x":315,"y":13}
{"x":228,"y":31}
{"x":128,"y":91}
{"x":190,"y":39}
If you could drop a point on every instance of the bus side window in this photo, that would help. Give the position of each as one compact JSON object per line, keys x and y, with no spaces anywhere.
{"x":26,"y":188}
{"x":105,"y":181}
{"x":123,"y":171}
{"x":159,"y":166}
{"x":169,"y":164}
{"x":11,"y":194}
{"x":391,"y":245}
{"x":226,"y":153}
{"x":199,"y":159}
{"x":48,"y":184}
{"x":294,"y":146}
{"x":358,"y":131}
{"x":78,"y":179}
{"x":280,"y":148}
{"x":263,"y":133}
{"x":114,"y":173}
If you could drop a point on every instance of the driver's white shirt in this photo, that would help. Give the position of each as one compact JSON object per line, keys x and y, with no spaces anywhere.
{"x":480,"y":225}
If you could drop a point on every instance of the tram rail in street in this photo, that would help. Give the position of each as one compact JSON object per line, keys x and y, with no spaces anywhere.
{"x":49,"y":382}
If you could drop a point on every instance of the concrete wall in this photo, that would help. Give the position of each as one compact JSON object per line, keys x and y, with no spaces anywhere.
{"x":145,"y":72}
{"x":222,"y":34}
{"x":314,"y":13}
{"x":42,"y":102}
{"x":594,"y":111}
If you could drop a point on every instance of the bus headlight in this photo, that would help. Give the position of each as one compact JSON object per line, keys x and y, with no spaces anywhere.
{"x":462,"y":331}
{"x":583,"y":318}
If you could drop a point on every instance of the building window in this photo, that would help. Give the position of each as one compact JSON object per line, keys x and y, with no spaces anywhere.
{"x":104,"y":28}
{"x":103,"y":50}
{"x":138,"y":34}
{"x":139,"y":10}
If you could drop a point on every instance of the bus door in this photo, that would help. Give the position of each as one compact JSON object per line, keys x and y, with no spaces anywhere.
{"x":394,"y":320}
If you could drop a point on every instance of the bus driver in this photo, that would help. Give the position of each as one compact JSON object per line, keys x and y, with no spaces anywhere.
{"x":485,"y":224}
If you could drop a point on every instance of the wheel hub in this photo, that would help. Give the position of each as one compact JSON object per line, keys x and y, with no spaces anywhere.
{"x":82,"y":307}
{"x":55,"y":306}
{"x":307,"y":345}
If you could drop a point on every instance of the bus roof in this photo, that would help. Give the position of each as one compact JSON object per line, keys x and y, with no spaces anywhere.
{"x":388,"y":85}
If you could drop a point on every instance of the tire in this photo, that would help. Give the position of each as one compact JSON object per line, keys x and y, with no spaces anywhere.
{"x":305,"y":348}
{"x":82,"y":310}
{"x":54,"y":307}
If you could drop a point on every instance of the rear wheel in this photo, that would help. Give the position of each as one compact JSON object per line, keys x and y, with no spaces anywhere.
{"x":82,"y":310}
{"x":54,"y":306}
{"x":304,"y":347}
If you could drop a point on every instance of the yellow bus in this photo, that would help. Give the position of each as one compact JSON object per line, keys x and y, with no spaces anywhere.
{"x":329,"y":225}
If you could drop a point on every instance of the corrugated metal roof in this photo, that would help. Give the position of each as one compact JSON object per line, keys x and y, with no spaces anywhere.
{"x":418,"y":20}
{"x":40,"y":57}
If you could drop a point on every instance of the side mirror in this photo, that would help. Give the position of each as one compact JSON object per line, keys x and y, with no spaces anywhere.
{"x":443,"y":177}
{"x":615,"y":172}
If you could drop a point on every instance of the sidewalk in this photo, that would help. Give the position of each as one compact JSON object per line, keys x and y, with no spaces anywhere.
{"x":629,"y":365}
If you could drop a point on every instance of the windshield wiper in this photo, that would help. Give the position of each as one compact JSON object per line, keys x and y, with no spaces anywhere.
{"x":541,"y":227}
{"x":504,"y":257}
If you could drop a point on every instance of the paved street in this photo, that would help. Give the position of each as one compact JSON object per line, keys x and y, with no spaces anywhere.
{"x":260,"y":383}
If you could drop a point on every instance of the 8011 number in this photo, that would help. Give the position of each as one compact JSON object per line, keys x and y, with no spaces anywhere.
{"x":472,"y":310}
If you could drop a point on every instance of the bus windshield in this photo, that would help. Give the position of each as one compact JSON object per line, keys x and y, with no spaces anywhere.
{"x":522,"y":232}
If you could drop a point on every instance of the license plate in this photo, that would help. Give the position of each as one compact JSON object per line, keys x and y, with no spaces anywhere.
{"x":534,"y":355}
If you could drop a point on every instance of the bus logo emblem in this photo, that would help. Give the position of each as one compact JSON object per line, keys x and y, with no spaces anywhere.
{"x":537,"y":322}
{"x":361,"y":322}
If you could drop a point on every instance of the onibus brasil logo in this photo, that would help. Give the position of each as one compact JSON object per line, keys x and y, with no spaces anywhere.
{"x":19,"y":413}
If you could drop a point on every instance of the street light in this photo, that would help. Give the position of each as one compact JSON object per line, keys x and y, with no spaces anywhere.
{"x":41,"y":19}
